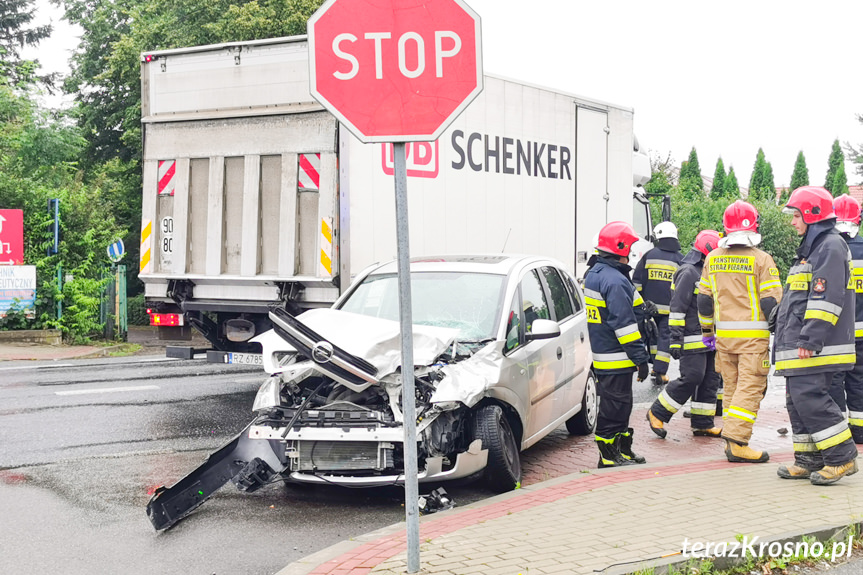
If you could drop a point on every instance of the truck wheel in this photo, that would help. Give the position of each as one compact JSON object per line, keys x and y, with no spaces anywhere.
{"x":503,"y":471}
{"x":584,"y":422}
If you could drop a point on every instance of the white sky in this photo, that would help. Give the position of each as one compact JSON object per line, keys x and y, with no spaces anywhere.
{"x":726,"y":77}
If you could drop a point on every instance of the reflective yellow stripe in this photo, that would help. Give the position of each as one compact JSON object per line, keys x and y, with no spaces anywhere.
{"x":835,"y":440}
{"x":680,"y":322}
{"x":603,"y":439}
{"x":704,"y":282}
{"x":857,"y":422}
{"x":743,"y":333}
{"x":629,"y":337}
{"x":770,"y":284}
{"x":740,"y":413}
{"x":638,"y":300}
{"x":858,"y":333}
{"x":753,"y":296}
{"x":613,"y":364}
{"x":594,"y":301}
{"x":675,"y":346}
{"x":661,"y":267}
{"x":698,"y":411}
{"x":820,"y":314}
{"x":705,"y":320}
{"x":662,"y":358}
{"x":798,"y":278}
{"x":816,"y":361}
{"x":694,"y":345}
{"x":805,"y":447}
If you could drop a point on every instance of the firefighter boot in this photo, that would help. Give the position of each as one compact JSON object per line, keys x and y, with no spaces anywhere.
{"x":626,"y":447}
{"x":833,"y":473}
{"x":609,"y":453}
{"x":656,"y":425}
{"x":793,"y":471}
{"x":737,"y":453}
{"x":708,"y":432}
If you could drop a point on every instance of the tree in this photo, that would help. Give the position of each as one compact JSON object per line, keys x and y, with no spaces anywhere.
{"x":840,"y":182}
{"x":757,"y":177}
{"x":800,"y":176}
{"x":761,"y":184}
{"x":768,"y":186}
{"x":732,"y":188}
{"x":836,"y":159}
{"x":690,"y":174}
{"x":16,"y":31}
{"x":718,"y":188}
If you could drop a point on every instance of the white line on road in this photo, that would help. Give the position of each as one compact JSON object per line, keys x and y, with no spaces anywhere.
{"x":106,"y":390}
{"x":37,"y":366}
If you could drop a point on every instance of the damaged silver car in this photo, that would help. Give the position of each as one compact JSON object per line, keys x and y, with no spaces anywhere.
{"x":501,"y":359}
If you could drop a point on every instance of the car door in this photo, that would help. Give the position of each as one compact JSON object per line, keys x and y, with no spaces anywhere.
{"x":532,"y":367}
{"x":570,"y":345}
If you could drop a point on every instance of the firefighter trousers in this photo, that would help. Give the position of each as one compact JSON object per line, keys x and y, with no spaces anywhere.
{"x":847,"y":392}
{"x":744,"y":376}
{"x":698,"y":380}
{"x":615,"y":404}
{"x":661,"y":355}
{"x":819,"y":427}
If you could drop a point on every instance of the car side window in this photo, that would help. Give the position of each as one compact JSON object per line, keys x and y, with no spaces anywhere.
{"x":560,"y":299}
{"x":513,"y":325}
{"x":533,"y":300}
{"x":576,"y":296}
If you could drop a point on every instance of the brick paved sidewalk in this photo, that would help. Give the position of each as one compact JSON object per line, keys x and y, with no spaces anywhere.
{"x":593,"y":521}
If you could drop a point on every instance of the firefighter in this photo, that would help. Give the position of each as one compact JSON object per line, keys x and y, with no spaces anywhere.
{"x":814,"y":340}
{"x":617,"y":347}
{"x":652,"y":277}
{"x":698,"y":378}
{"x":738,"y":289}
{"x":847,"y":387}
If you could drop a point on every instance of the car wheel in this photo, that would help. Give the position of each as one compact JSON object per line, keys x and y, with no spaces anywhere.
{"x":584,"y":422}
{"x":503,"y":471}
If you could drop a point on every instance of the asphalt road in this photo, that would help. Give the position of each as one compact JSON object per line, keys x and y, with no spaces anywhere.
{"x":84,"y":443}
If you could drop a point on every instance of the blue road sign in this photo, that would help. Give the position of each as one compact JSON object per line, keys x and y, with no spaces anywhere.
{"x":116,"y":251}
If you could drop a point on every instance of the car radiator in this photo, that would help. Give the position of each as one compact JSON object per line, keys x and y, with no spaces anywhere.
{"x":340,"y":455}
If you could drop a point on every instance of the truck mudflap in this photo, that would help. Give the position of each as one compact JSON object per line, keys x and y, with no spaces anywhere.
{"x":248,"y":463}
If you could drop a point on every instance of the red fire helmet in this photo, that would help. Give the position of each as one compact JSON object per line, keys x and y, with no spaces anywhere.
{"x":740,"y":217}
{"x":814,"y":204}
{"x":616,"y":238}
{"x":847,"y":209}
{"x":706,"y":241}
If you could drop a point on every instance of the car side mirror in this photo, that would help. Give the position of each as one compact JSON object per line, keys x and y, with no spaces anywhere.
{"x":543,"y":329}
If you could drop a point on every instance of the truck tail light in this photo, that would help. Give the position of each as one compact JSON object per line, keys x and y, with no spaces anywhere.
{"x":166,"y":319}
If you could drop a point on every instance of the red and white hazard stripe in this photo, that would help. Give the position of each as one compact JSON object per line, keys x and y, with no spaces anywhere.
{"x":310,"y":172}
{"x":167,"y":168}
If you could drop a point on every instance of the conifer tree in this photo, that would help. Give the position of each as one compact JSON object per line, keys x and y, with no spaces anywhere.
{"x":800,"y":176}
{"x":840,"y":181}
{"x":718,"y":188}
{"x":768,"y":186}
{"x":732,"y":188}
{"x":16,"y":32}
{"x":694,"y":171}
{"x":836,"y":159}
{"x":756,"y":181}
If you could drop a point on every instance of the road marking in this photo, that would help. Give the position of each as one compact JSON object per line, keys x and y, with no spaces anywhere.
{"x":106,"y":390}
{"x":38,"y":366}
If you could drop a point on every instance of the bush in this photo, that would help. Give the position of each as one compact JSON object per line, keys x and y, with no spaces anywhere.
{"x":136,"y":310}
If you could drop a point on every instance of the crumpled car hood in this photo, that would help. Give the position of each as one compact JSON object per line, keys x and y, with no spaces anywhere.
{"x":376,"y":340}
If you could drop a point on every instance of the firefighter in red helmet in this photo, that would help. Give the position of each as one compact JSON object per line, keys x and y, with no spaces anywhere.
{"x":815,"y":339}
{"x":738,"y":290}
{"x":847,"y":388}
{"x":618,"y":350}
{"x":698,"y":378}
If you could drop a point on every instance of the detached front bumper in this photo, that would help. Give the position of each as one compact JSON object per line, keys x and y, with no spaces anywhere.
{"x":352,"y":454}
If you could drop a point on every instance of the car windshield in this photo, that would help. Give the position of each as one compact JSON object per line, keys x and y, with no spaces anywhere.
{"x":468,"y":302}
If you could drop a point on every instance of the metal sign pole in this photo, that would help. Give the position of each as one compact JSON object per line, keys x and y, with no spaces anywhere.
{"x":408,"y":397}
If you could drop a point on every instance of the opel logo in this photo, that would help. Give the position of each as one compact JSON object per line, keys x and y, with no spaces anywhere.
{"x":322,"y":352}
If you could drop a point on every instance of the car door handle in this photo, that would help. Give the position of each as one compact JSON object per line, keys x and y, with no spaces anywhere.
{"x":581,"y":335}
{"x":559,"y":353}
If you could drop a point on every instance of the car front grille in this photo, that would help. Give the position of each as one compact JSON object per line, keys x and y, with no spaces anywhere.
{"x":340,"y":456}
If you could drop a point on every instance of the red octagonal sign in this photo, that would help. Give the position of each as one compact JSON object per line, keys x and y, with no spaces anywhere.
{"x":395,"y":70}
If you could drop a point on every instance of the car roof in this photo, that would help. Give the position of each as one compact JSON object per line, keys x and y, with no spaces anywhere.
{"x":500,"y":264}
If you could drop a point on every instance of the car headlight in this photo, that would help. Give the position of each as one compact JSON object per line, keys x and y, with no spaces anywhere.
{"x":268,"y":394}
{"x":447,"y":405}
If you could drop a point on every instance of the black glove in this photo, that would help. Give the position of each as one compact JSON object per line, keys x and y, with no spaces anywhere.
{"x":643,"y":372}
{"x":676,"y":352}
{"x":650,"y":308}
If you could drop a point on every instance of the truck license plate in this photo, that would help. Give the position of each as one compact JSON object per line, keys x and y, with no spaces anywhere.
{"x":246,"y":358}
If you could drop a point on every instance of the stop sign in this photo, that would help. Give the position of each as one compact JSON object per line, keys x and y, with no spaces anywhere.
{"x":395,"y":70}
